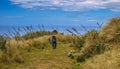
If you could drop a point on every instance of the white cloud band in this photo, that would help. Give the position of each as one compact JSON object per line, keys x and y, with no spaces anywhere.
{"x":70,"y":5}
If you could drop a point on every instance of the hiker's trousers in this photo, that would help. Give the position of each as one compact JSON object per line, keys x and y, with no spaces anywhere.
{"x":54,"y":44}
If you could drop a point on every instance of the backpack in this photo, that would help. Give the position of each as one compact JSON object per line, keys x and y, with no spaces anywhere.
{"x":53,"y":39}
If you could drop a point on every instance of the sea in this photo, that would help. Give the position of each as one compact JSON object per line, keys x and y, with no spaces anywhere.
{"x":65,"y":29}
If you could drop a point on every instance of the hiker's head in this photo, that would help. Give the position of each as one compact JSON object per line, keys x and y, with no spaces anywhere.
{"x":55,"y":32}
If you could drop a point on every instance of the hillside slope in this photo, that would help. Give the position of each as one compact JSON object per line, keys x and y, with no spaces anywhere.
{"x":108,"y":60}
{"x":36,"y":58}
{"x":49,"y":58}
{"x":94,"y":50}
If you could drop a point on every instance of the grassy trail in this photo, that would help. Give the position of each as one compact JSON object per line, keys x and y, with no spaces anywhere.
{"x":48,"y":58}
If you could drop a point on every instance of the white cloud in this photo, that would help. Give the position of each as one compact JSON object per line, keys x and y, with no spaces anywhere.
{"x":70,"y":5}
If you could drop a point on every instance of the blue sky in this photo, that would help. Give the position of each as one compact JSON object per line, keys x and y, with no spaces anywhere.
{"x":57,"y":12}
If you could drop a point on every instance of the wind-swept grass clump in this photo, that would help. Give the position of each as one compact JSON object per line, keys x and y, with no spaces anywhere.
{"x":93,"y":45}
{"x":111,"y":31}
{"x":9,"y":53}
{"x":2,"y":42}
{"x":78,"y":43}
{"x":97,"y":42}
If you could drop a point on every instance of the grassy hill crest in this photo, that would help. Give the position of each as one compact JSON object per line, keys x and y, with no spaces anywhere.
{"x":97,"y":49}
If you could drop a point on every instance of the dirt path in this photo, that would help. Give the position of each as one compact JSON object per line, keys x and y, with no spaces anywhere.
{"x":57,"y":59}
{"x":50,"y":58}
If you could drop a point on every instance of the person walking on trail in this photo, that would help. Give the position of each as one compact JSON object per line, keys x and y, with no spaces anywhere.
{"x":54,"y":42}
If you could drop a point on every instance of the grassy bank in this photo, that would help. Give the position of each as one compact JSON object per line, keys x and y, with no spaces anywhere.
{"x":97,"y":49}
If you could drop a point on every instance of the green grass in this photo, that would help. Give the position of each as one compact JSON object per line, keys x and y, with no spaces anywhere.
{"x":90,"y":51}
{"x":49,"y":58}
{"x":46,"y":58}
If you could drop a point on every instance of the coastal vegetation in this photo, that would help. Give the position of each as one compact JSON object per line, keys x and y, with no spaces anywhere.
{"x":96,"y":49}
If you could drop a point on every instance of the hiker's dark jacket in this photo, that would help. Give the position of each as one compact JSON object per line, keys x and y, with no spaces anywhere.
{"x":54,"y":39}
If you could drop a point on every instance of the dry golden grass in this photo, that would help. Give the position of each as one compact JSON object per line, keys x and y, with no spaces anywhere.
{"x":65,"y":38}
{"x":38,"y":51}
{"x":108,"y":60}
{"x":111,"y":31}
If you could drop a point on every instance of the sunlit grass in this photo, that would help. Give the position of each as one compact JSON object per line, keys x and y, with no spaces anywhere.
{"x":97,"y":49}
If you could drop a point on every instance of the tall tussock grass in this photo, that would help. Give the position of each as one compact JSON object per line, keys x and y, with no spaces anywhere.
{"x":92,"y":45}
{"x":78,"y":43}
{"x":2,"y":42}
{"x":111,"y":31}
{"x":94,"y":42}
{"x":11,"y":54}
{"x":13,"y":46}
{"x":98,"y":41}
